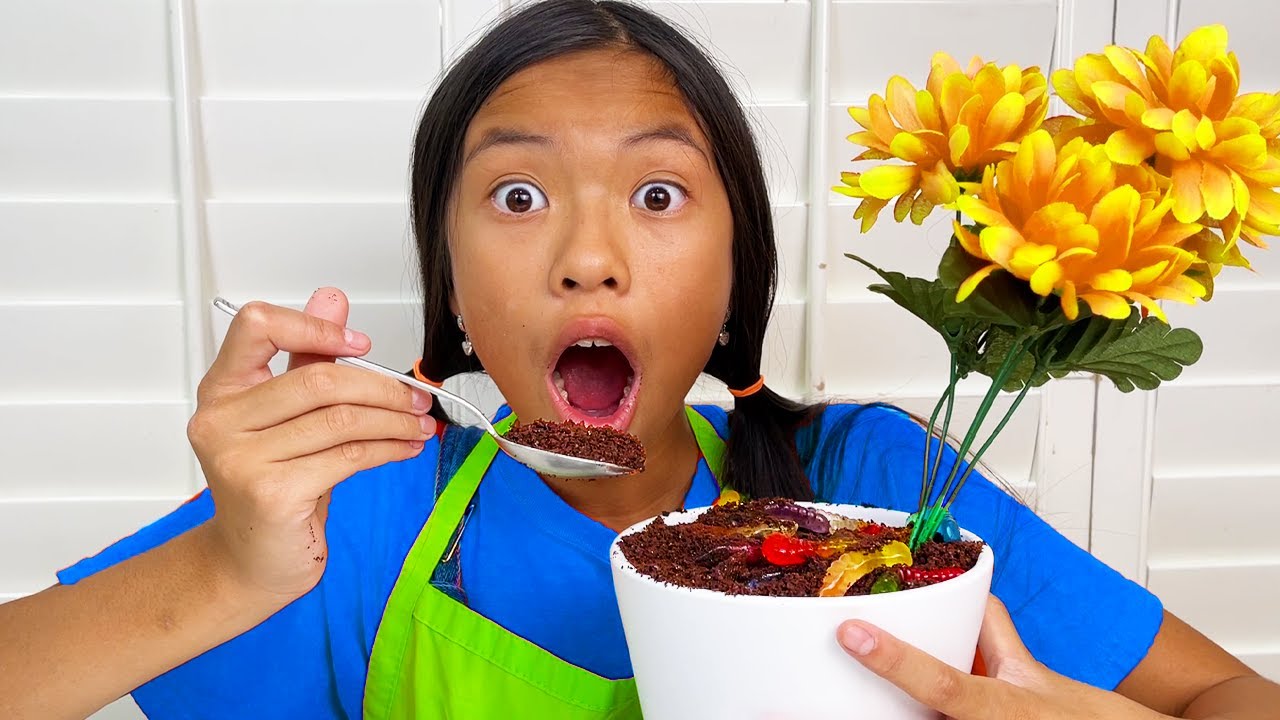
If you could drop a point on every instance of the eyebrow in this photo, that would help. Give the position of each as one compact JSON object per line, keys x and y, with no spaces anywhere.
{"x":506,"y":136}
{"x":666,"y":133}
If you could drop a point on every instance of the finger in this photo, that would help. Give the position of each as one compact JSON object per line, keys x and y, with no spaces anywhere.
{"x":922,"y":676}
{"x":317,"y":473}
{"x":318,"y":385}
{"x":998,"y":641}
{"x":334,"y":425}
{"x":260,"y":330}
{"x":327,"y":303}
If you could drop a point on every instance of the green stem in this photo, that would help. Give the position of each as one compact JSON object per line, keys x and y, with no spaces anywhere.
{"x":955,"y":492}
{"x":922,"y":527}
{"x":929,"y":477}
{"x":1002,"y":376}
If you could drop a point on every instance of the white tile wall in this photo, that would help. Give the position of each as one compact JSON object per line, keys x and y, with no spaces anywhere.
{"x":36,"y":238}
{"x":86,"y":148}
{"x":100,"y":49}
{"x":303,"y":113}
{"x":366,"y":49}
{"x":1190,"y":515}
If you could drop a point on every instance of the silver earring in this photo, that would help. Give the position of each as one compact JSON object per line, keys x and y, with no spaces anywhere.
{"x":724,"y":335}
{"x":466,"y":339}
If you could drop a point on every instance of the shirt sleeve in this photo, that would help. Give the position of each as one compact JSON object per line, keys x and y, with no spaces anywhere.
{"x":310,"y":658}
{"x":1075,"y":614}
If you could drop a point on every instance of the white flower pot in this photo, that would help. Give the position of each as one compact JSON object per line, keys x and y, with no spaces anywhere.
{"x":706,"y":655}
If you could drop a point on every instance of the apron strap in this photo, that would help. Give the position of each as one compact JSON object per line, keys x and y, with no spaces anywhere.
{"x":453,"y":501}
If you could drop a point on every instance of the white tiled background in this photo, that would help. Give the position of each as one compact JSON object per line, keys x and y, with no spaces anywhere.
{"x":155,"y":153}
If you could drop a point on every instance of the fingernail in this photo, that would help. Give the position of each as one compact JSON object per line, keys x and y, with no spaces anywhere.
{"x":856,"y":640}
{"x":416,"y":444}
{"x":357,"y":340}
{"x":421,"y":401}
{"x":428,"y":424}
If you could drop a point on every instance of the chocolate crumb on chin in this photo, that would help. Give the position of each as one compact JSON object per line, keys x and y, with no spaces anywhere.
{"x":591,"y":442}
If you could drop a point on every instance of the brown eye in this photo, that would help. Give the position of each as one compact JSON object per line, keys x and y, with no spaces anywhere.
{"x":659,"y":197}
{"x":518,"y":198}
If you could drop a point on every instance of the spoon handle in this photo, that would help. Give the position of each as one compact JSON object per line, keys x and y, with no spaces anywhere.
{"x":231,"y":309}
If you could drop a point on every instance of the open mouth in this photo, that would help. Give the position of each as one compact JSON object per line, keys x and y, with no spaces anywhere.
{"x":594,"y":382}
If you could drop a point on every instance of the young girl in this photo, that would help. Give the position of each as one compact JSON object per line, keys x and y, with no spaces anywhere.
{"x":594,"y":233}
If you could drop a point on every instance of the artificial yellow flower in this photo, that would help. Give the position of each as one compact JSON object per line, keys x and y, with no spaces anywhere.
{"x":1180,"y":108}
{"x":1073,"y":222}
{"x":964,"y":120}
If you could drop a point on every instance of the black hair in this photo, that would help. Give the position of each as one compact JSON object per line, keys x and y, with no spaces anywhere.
{"x":761,"y":458}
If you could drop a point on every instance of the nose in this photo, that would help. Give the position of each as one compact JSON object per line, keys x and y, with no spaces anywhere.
{"x":592,"y":253}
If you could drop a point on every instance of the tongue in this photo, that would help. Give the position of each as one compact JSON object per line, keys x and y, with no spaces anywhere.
{"x":594,"y":378}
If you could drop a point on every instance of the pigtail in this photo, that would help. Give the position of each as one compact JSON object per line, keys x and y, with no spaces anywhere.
{"x":761,"y":459}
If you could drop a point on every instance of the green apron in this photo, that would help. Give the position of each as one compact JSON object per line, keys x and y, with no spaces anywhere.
{"x":434,"y":657}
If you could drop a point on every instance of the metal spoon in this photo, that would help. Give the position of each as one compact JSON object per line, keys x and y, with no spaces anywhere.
{"x":543,"y":461}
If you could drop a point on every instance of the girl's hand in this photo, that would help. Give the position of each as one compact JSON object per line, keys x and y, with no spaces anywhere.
{"x":1018,"y":687}
{"x":272,"y":448}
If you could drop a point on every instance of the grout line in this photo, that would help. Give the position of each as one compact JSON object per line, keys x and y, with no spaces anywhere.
{"x":1093,"y":456}
{"x":816,"y":227}
{"x":95,"y":499}
{"x":1216,"y":562}
{"x":1147,"y":478}
{"x":89,"y":302}
{"x":183,"y":66}
{"x":130,"y":401}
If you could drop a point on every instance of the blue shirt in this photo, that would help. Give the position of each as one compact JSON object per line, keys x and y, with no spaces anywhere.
{"x":536,"y":566}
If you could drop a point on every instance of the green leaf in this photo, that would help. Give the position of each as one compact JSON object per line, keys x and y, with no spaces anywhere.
{"x":1142,"y":355}
{"x":999,"y":342}
{"x":1132,"y":353}
{"x":925,"y":299}
{"x":1001,"y":299}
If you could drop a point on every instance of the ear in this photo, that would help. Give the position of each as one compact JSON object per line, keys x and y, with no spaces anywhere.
{"x":453,"y":304}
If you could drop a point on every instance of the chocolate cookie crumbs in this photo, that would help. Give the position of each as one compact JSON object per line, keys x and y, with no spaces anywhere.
{"x":585,"y":441}
{"x":721,"y":551}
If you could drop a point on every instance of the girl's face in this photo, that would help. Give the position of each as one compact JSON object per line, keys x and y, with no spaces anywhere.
{"x":591,"y":243}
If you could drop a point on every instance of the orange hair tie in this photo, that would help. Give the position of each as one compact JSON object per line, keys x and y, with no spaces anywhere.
{"x":749,"y":390}
{"x":417,"y":372}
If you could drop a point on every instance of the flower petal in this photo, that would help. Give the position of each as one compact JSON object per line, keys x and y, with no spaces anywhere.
{"x":1028,"y":257}
{"x":888,"y":181}
{"x":1184,"y":128}
{"x":1116,"y":280}
{"x":958,"y":143}
{"x":1187,"y":85}
{"x":956,"y":90}
{"x":971,"y":283}
{"x":1107,"y":304}
{"x":1152,"y":306}
{"x":927,"y":110}
{"x":968,"y":241}
{"x":1070,"y":303}
{"x":1003,"y":118}
{"x":1188,"y":205}
{"x":901,"y":96}
{"x":1046,"y":278}
{"x":939,"y":185}
{"x":1171,"y":147}
{"x":1130,"y":146}
{"x":982,"y":213}
{"x":1158,"y":118}
{"x":1217,"y":190}
{"x":1205,"y":135}
{"x":910,"y":148}
{"x":999,"y":243}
